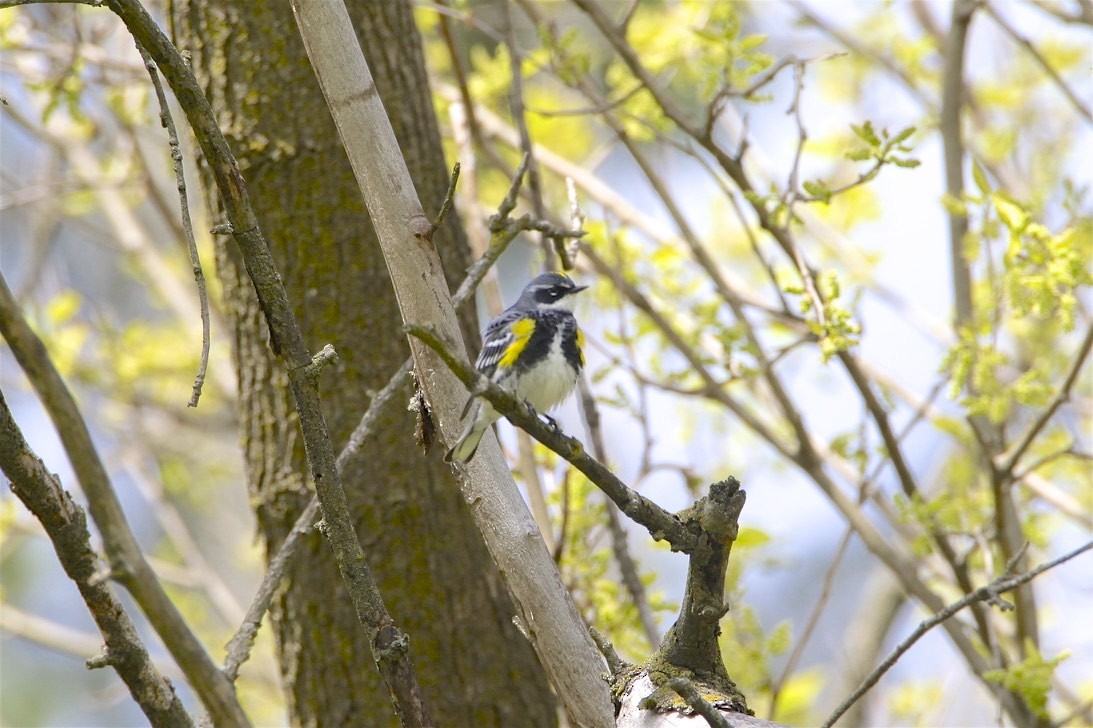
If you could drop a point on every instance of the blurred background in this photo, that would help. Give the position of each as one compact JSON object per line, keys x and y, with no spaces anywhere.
{"x":812,"y":94}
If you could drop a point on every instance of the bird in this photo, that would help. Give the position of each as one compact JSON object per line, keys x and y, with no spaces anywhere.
{"x":533,"y":349}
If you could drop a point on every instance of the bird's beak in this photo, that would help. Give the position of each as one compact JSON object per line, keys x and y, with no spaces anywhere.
{"x":578,"y":289}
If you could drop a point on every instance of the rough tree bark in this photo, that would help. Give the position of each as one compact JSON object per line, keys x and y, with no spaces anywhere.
{"x":434,"y":572}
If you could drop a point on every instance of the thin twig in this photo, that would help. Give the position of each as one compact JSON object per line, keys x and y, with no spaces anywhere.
{"x":65,"y":640}
{"x":812,"y":621}
{"x":1033,"y":51}
{"x":181,"y":537}
{"x":449,"y":199}
{"x":1084,"y":16}
{"x":587,"y":110}
{"x":1063,"y":452}
{"x":1083,"y":709}
{"x":239,"y":647}
{"x":187,"y":224}
{"x":458,"y":69}
{"x":794,"y":110}
{"x":516,"y":107}
{"x":1010,"y":461}
{"x":628,"y":570}
{"x":988,"y":593}
{"x":576,"y":217}
{"x":614,"y":663}
{"x":508,"y":203}
{"x":465,"y":17}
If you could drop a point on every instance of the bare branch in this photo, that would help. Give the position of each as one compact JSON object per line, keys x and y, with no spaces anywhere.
{"x":1031,"y":49}
{"x":239,"y":647}
{"x":1010,"y":461}
{"x":1084,"y":16}
{"x":606,"y":105}
{"x":628,"y":570}
{"x":126,"y":560}
{"x":508,"y":203}
{"x":16,"y":3}
{"x":516,"y":107}
{"x":66,"y":525}
{"x":614,"y":663}
{"x":187,"y":224}
{"x":197,"y":573}
{"x":989,"y":593}
{"x":449,"y":199}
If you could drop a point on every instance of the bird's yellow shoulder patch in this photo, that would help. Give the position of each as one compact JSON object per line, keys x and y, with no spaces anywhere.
{"x":521,"y":334}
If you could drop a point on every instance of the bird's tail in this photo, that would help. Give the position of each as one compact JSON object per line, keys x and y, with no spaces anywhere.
{"x":467,"y":445}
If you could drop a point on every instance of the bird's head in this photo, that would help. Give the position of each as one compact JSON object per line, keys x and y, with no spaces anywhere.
{"x":550,"y":290}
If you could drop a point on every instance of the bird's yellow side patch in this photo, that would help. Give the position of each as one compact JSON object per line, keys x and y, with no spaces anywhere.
{"x":521,"y":335}
{"x":580,"y":345}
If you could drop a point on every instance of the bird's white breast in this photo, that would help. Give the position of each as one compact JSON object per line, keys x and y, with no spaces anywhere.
{"x":548,"y":383}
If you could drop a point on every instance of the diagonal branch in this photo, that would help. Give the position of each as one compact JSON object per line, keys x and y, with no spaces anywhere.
{"x":126,"y":560}
{"x":989,"y":593}
{"x":1043,"y":62}
{"x":66,"y":525}
{"x":1010,"y":461}
{"x":662,"y":525}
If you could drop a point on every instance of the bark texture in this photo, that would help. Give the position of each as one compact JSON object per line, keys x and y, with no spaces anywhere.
{"x":435,"y":573}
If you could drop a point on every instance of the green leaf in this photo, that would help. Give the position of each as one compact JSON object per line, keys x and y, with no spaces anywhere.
{"x":1013,"y":216}
{"x":818,"y":189}
{"x":901,"y":136}
{"x":63,"y":307}
{"x":799,"y":695}
{"x":1031,"y":677}
{"x":954,"y":205}
{"x":866,"y":133}
{"x":780,"y":638}
{"x":750,"y":537}
{"x":752,"y":41}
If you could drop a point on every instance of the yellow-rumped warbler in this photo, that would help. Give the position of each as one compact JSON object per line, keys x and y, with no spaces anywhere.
{"x":532,"y":349}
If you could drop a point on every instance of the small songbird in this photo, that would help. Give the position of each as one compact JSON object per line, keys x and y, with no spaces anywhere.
{"x":532,"y":349}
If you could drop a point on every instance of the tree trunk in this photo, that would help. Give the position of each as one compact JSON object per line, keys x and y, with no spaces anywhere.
{"x":436,"y":576}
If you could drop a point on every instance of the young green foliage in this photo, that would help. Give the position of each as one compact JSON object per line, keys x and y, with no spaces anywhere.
{"x":1030,"y":677}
